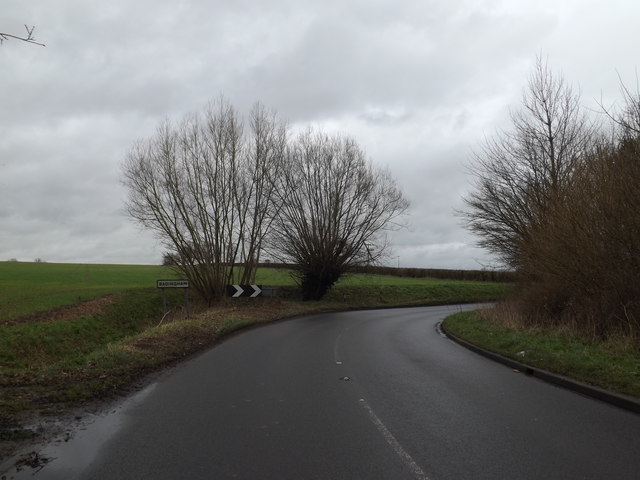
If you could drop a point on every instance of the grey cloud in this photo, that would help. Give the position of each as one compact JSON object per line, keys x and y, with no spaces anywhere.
{"x":417,"y":83}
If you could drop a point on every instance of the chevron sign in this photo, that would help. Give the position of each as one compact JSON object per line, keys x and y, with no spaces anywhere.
{"x":244,"y":291}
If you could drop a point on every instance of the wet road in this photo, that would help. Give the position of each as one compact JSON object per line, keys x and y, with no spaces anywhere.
{"x":357,"y":395}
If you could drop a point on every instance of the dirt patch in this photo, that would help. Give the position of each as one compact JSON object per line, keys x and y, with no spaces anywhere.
{"x":33,"y":460}
{"x":66,"y":312}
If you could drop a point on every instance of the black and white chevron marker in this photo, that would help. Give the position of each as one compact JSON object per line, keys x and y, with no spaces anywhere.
{"x":244,"y":291}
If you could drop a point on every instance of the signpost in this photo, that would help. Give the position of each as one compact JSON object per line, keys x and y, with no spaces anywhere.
{"x":174,"y":284}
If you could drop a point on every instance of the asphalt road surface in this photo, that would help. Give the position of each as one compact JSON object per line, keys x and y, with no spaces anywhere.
{"x":357,"y":395}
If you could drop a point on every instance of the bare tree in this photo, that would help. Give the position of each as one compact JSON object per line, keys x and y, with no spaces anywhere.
{"x":520,"y":172}
{"x":200,"y":186}
{"x":266,"y":151}
{"x":29,"y":38}
{"x":334,"y":208}
{"x":626,"y":120}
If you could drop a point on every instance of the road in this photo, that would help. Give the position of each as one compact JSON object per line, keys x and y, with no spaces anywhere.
{"x":355,"y":395}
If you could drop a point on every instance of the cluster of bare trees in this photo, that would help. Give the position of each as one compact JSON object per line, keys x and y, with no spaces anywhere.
{"x":556,"y":199}
{"x":204,"y":186}
{"x":219,"y":194}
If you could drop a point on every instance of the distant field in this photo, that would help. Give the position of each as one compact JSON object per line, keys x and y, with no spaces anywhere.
{"x":32,"y":287}
{"x":27,"y":288}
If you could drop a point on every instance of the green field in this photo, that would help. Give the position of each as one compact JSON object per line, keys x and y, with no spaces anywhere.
{"x":33,"y":287}
{"x":27,"y":288}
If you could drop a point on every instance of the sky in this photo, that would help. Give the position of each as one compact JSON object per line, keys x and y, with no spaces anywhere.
{"x":419,"y":84}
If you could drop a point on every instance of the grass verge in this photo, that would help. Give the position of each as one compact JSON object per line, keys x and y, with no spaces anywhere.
{"x":613,"y":365}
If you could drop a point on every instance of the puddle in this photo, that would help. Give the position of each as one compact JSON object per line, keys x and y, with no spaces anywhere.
{"x":67,"y":456}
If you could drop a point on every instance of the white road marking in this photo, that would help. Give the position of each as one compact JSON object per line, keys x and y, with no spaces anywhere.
{"x":418,"y":473}
{"x":336,"y":355}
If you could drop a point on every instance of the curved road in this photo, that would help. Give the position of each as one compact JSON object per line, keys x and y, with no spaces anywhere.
{"x":356,"y":395}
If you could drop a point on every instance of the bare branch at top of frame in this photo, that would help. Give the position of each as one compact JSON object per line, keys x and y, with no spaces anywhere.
{"x":29,"y":38}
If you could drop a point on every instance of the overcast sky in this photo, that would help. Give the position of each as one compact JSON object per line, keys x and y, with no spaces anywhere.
{"x":418,"y":83}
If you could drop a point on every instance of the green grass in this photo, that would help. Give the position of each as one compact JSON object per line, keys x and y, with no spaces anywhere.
{"x":37,"y":345}
{"x":27,"y":288}
{"x":414,"y":292}
{"x":372,"y":280}
{"x":282,"y":277}
{"x":613,"y":365}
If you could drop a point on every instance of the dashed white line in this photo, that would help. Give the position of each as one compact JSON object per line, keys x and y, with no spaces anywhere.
{"x":415,"y":469}
{"x":336,"y":355}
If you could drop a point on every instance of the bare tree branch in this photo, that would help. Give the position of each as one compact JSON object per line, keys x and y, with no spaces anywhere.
{"x":29,"y":38}
{"x":626,"y":120}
